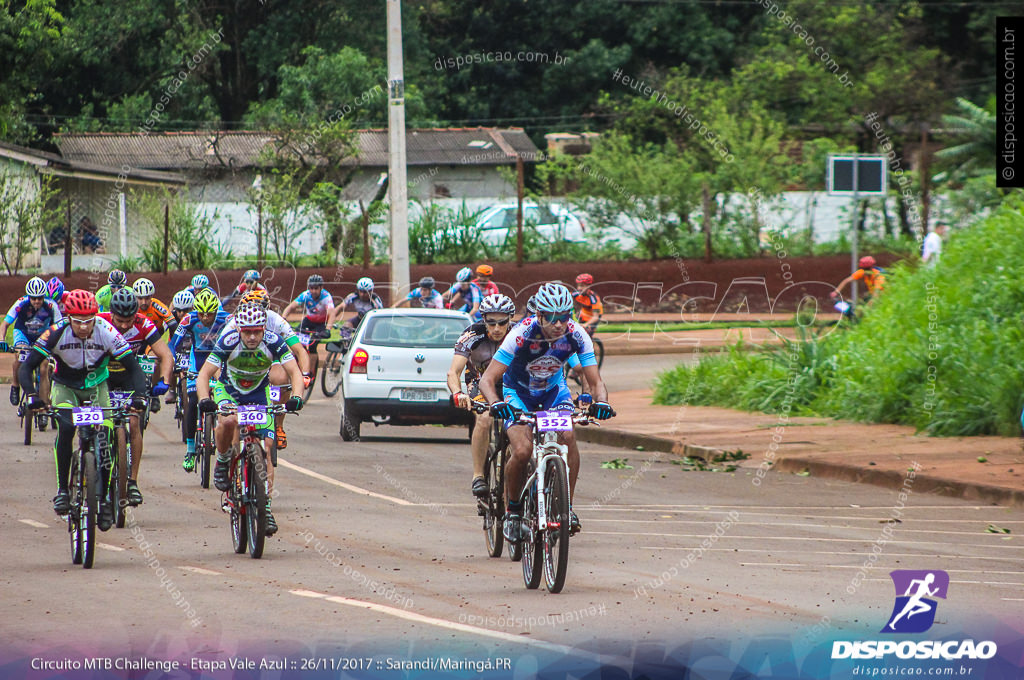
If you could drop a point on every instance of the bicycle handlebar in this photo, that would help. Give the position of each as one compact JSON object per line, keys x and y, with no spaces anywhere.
{"x":579,"y":416}
{"x":228,"y":408}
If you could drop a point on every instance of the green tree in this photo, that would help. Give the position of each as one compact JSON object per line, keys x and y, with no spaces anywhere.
{"x":28,"y":210}
{"x":30,"y":37}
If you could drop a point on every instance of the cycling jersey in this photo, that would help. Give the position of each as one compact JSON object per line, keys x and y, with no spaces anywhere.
{"x":362,"y":306}
{"x":535,"y":363}
{"x":478,"y":348}
{"x":873,"y":278}
{"x":275,"y":323}
{"x":32,"y":322}
{"x":82,"y":364}
{"x":589,"y":305}
{"x":140,"y":337}
{"x":247,"y":370}
{"x":318,"y":309}
{"x":103,"y":296}
{"x":433,"y":300}
{"x":158,"y":313}
{"x":470,"y":297}
{"x":488,"y":288}
{"x":204,"y":338}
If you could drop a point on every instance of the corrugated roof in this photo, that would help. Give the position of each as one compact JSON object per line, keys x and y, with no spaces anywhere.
{"x":51,"y":163}
{"x":237,"y":149}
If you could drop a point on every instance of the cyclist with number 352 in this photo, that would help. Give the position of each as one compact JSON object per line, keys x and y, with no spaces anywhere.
{"x":81,"y":345}
{"x":529,"y":366}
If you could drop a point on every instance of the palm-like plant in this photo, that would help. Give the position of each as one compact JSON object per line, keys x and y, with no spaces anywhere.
{"x":973,"y":128}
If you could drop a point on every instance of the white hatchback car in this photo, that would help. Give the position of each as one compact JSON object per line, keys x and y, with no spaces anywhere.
{"x":395,"y":370}
{"x":552,"y":222}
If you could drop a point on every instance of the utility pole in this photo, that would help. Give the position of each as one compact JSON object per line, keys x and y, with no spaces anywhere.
{"x":397,"y":185}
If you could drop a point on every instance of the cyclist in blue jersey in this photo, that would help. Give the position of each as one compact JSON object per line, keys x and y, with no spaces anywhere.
{"x":464,"y":295}
{"x":317,"y":308}
{"x":529,"y":366}
{"x":202,"y":326}
{"x":362,"y":301}
{"x":31,"y":315}
{"x":423,"y":296}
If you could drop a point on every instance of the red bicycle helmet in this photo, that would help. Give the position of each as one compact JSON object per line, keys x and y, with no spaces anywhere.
{"x":867,"y":262}
{"x":80,"y":302}
{"x":584,"y":280}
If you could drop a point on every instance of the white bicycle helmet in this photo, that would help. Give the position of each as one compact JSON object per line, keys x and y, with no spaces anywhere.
{"x":497,"y":304}
{"x":553,"y":298}
{"x":36,"y":287}
{"x":250,"y":315}
{"x":464,"y":274}
{"x":183,"y":300}
{"x":365,"y":283}
{"x":143,"y":287}
{"x":200,"y":281}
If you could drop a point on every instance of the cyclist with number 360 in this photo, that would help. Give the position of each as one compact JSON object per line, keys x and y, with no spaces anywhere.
{"x":529,"y":366}
{"x":81,"y":345}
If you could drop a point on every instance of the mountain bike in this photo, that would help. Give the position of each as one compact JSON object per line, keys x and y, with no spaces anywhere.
{"x":148,"y":365}
{"x":545,"y":499}
{"x":121,"y":460}
{"x":307,"y":340}
{"x":29,"y":419}
{"x":331,"y":374}
{"x":492,"y":507}
{"x":181,"y":360}
{"x":85,"y":483}
{"x":246,"y":498}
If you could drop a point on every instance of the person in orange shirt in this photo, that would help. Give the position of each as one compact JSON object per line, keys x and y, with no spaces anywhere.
{"x":872,"y":276}
{"x":149,"y":307}
{"x":483,"y":280}
{"x":587,"y":303}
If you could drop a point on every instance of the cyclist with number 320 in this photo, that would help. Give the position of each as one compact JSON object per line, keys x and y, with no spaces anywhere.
{"x":81,"y":345}
{"x":529,"y":366}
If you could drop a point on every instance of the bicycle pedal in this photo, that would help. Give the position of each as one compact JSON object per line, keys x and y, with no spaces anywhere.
{"x":481,"y":509}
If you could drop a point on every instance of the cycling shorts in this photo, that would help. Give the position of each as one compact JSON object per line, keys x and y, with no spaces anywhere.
{"x":19,"y":338}
{"x":62,"y":395}
{"x":307,"y":326}
{"x":557,"y":398}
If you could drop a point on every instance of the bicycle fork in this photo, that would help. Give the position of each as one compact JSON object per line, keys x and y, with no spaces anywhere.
{"x":547,"y":447}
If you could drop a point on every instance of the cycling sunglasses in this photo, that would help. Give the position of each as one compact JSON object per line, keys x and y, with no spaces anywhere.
{"x":83,"y":320}
{"x":492,"y":322}
{"x":556,"y":318}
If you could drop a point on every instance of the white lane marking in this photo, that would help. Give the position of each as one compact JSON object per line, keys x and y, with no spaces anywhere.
{"x":111,"y":548}
{"x":33,"y":523}
{"x":700,"y":506}
{"x":1012,"y":599}
{"x":429,"y":620}
{"x":857,"y":566}
{"x":801,"y":538}
{"x":343,"y":485}
{"x":777,"y":551}
{"x":779,"y":524}
{"x":199,"y":570}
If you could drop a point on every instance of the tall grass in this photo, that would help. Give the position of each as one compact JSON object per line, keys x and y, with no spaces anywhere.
{"x":941,"y":349}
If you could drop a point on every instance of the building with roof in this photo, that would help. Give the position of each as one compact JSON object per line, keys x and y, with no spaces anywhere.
{"x":224,"y":169}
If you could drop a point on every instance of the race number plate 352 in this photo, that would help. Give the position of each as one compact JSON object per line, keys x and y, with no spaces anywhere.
{"x":86,"y":415}
{"x":553,"y":421}
{"x":252,"y":415}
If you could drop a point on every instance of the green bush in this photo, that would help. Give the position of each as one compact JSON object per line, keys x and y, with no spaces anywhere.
{"x":941,"y":350}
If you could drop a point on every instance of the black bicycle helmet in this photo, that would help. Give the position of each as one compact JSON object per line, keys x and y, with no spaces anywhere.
{"x":124,"y":302}
{"x":314,"y":280}
{"x":427,"y":282}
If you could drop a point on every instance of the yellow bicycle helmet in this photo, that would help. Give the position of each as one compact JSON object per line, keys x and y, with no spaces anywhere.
{"x":207,"y":301}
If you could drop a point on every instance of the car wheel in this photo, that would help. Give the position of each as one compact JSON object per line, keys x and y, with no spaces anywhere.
{"x":349,"y":428}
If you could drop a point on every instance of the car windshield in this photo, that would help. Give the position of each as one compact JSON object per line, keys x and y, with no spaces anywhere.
{"x":414,"y":331}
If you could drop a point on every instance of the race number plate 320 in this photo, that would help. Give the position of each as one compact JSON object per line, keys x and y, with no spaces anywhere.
{"x":553,"y":421}
{"x":86,"y":415}
{"x":252,"y":415}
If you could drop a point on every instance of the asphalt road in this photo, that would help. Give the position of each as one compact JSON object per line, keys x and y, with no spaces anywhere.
{"x":380,"y":550}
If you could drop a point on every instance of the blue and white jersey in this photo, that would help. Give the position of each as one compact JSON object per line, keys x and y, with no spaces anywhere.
{"x":433,"y":300}
{"x":470,"y":296}
{"x":316,"y":310}
{"x":32,"y":322}
{"x":535,"y":363}
{"x":204,"y":338}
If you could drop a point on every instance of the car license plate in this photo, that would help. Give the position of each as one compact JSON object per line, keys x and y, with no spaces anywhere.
{"x":148,"y":364}
{"x":411,"y":394}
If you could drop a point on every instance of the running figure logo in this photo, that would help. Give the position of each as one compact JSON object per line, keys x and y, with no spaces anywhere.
{"x":914,"y":612}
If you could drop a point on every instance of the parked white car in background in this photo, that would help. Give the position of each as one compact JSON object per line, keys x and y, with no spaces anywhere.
{"x":395,"y":371}
{"x":552,"y":222}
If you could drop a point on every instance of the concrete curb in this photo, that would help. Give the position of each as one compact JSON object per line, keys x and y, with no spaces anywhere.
{"x":890,"y":479}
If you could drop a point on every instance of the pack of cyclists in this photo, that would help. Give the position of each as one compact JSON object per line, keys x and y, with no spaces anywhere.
{"x":100,"y":342}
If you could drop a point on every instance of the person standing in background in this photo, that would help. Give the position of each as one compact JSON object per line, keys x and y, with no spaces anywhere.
{"x":933,"y":244}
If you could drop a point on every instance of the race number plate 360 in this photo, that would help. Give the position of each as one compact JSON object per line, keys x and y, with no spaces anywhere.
{"x":252,"y":415}
{"x":553,"y":421}
{"x":148,"y":364}
{"x":86,"y":415}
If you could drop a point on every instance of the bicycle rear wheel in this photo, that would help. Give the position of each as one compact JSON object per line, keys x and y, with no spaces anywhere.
{"x":308,"y":392}
{"x":330,"y":374}
{"x":494,"y":511}
{"x":556,"y":537}
{"x":239,"y":525}
{"x":256,"y":499}
{"x":206,"y":451}
{"x":532,"y":545}
{"x":26,"y":421}
{"x":119,"y":477}
{"x":179,"y":404}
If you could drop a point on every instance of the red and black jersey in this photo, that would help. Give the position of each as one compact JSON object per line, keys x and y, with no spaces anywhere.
{"x":140,"y":337}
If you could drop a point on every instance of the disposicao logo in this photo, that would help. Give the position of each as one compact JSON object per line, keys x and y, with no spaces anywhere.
{"x":914,"y":612}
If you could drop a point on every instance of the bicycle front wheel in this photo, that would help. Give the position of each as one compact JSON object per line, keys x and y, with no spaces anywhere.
{"x":26,"y":420}
{"x":556,"y":535}
{"x":119,"y":477}
{"x":532,"y":545}
{"x":330,"y":374}
{"x":256,"y":499}
{"x":77,"y":489}
{"x":236,"y":501}
{"x":206,"y":451}
{"x":87,"y":514}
